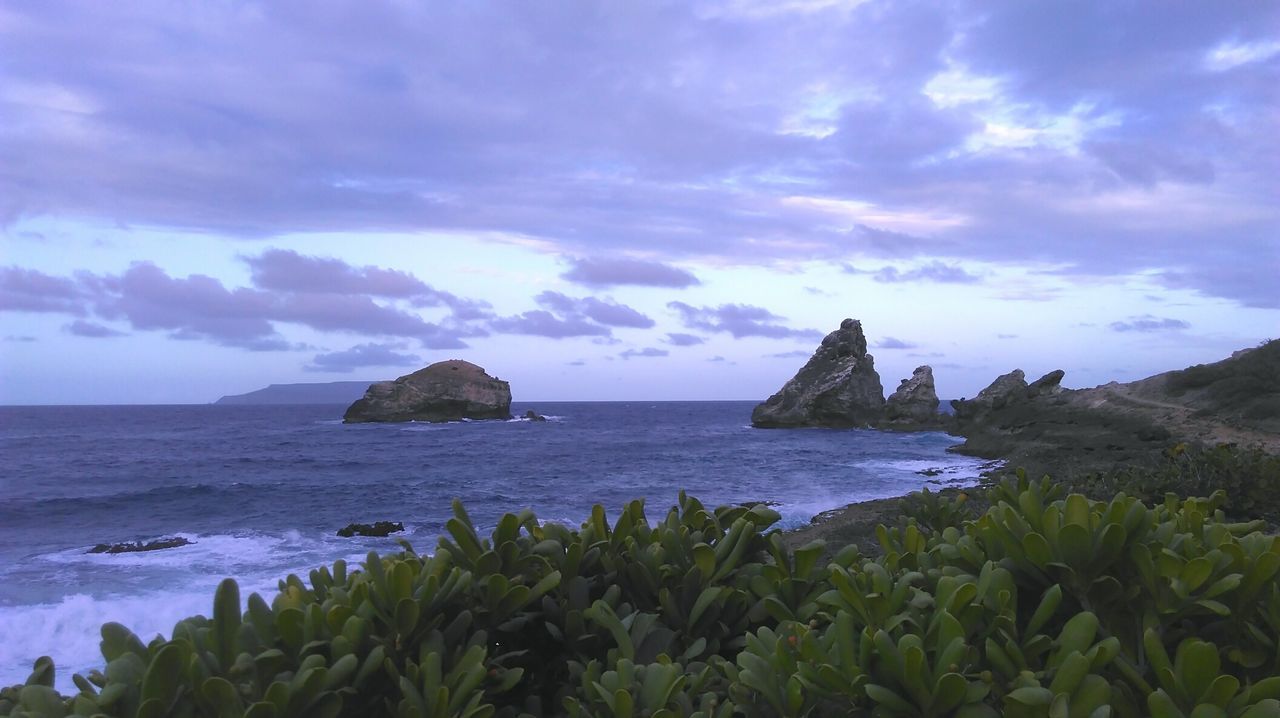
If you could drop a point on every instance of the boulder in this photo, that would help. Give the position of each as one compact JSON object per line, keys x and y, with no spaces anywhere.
{"x":915,"y":401}
{"x":445,"y":391}
{"x":1047,"y":385}
{"x":377,"y":528}
{"x":532,"y":415}
{"x":1006,"y":388}
{"x":838,"y":387}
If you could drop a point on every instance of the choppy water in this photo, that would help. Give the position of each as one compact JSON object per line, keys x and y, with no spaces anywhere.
{"x":260,"y":491}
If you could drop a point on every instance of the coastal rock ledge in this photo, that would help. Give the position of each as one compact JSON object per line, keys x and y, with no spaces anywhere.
{"x":837,"y":387}
{"x":445,"y":391}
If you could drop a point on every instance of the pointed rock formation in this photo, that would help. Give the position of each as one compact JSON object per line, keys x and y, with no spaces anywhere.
{"x":445,"y":391}
{"x":838,"y":387}
{"x":915,"y":402}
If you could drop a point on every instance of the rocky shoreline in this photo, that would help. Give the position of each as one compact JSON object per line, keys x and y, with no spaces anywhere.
{"x":1040,"y":426}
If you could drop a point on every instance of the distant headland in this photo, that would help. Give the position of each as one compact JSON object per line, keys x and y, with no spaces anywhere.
{"x":333,"y":392}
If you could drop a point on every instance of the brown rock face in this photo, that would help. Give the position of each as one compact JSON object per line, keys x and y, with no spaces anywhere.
{"x":915,"y":401}
{"x":445,"y":391}
{"x":838,"y":387}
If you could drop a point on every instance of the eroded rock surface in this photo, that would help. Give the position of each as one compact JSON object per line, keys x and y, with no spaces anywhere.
{"x":445,"y":391}
{"x":915,"y":401}
{"x":837,"y":387}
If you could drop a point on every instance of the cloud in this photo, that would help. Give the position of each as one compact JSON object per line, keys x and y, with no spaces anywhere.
{"x":26,"y":290}
{"x":892,"y":343}
{"x":602,"y":311}
{"x":360,"y":356}
{"x":717,"y":358}
{"x":604,"y":272}
{"x":19,"y":338}
{"x":739,"y":320}
{"x":199,"y":307}
{"x":576,"y":362}
{"x":542,"y":323}
{"x":646,"y":352}
{"x":797,"y":354}
{"x":935,"y":271}
{"x":81,"y":328}
{"x":1148,"y":323}
{"x":678,"y":339}
{"x":1117,"y":139}
{"x":564,"y":317}
{"x":281,"y":270}
{"x":287,"y":271}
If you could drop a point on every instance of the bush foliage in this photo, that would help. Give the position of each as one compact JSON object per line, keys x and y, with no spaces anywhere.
{"x":1044,"y":605}
{"x":1249,"y":478}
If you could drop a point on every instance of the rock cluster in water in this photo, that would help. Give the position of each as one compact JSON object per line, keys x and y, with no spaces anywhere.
{"x":137,"y":546}
{"x":445,"y":391}
{"x":377,"y":528}
{"x":837,"y":387}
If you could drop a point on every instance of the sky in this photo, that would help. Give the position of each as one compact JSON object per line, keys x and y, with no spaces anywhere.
{"x":629,"y":200}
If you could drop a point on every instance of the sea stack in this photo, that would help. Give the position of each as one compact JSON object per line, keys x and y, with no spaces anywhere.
{"x":838,"y":387}
{"x":445,"y":391}
{"x":915,"y":402}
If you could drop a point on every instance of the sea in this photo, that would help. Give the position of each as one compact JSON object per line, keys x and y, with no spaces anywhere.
{"x":260,"y":492}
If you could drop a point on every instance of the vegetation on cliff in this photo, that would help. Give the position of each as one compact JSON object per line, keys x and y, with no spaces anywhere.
{"x":1044,"y":605}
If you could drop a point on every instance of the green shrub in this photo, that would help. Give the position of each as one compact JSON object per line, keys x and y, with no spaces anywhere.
{"x":1045,"y":605}
{"x":1250,"y":479}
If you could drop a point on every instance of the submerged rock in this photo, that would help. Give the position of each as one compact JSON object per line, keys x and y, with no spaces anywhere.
{"x":532,"y":415}
{"x":136,"y":546}
{"x":378,"y":528}
{"x":445,"y":391}
{"x":915,"y":402}
{"x":838,"y":387}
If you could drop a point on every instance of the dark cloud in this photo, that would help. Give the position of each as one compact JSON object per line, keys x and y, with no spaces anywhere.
{"x":287,"y":271}
{"x":892,"y":343}
{"x":26,"y":290}
{"x":678,"y":339}
{"x":566,"y":316}
{"x":362,"y":355}
{"x":281,"y":270}
{"x":542,"y":323}
{"x":93,"y":330}
{"x":932,"y":272}
{"x":646,"y":352}
{"x":602,"y":272}
{"x":199,"y":307}
{"x":1148,"y":323}
{"x":1114,"y":138}
{"x":739,"y":320}
{"x":602,"y":311}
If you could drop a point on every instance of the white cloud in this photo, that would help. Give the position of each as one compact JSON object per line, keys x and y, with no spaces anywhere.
{"x":1233,"y":54}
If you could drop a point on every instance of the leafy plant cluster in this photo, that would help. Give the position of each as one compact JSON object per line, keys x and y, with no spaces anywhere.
{"x":1249,"y":478}
{"x":1045,"y":605}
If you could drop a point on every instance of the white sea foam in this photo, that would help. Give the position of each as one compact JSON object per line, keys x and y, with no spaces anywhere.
{"x":951,"y":468}
{"x":69,"y":631}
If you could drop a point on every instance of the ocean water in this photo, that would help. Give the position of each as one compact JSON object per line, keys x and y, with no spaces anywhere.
{"x":261,"y":491}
